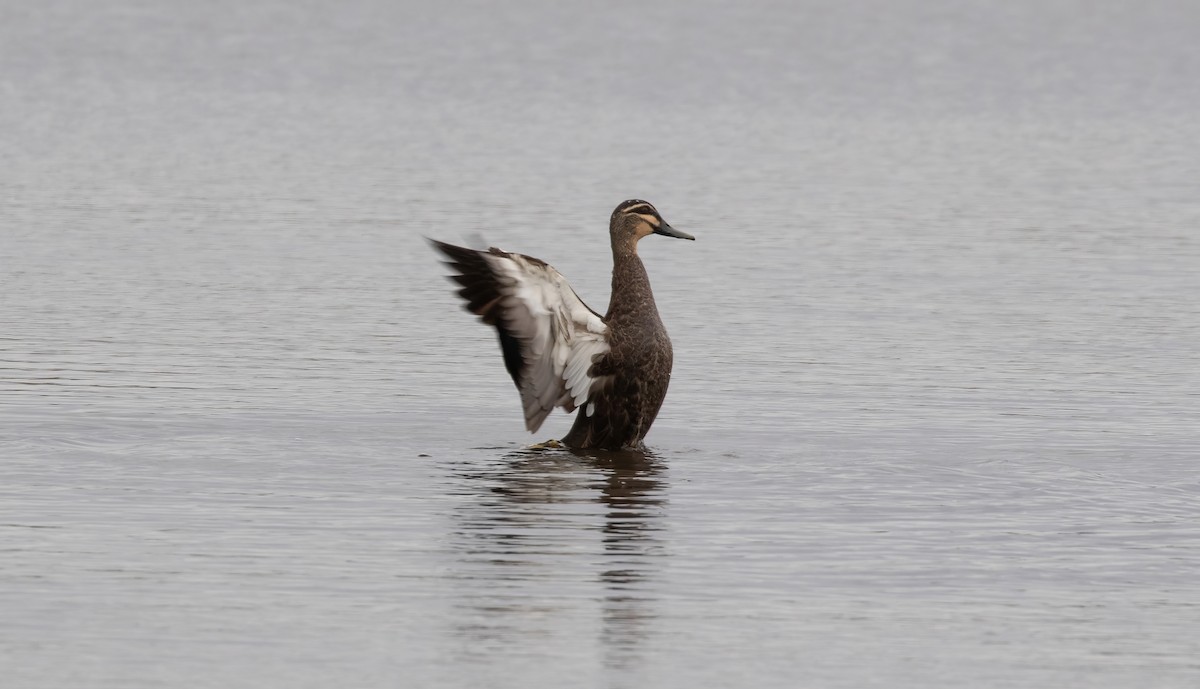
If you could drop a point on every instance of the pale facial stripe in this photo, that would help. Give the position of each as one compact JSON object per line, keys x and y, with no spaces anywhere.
{"x":639,"y":209}
{"x":651,"y":220}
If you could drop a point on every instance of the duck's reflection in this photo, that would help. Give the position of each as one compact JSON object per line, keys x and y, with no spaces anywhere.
{"x":552,"y":542}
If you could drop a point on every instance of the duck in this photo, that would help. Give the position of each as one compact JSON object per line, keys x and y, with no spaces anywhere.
{"x":612,"y":369}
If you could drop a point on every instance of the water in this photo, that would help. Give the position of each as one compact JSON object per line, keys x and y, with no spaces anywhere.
{"x":934,"y":414}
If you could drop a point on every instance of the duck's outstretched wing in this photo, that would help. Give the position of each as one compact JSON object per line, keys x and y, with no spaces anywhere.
{"x":549,"y":337}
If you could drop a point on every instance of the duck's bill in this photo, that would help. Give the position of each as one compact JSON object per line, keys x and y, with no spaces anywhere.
{"x":668,"y":231}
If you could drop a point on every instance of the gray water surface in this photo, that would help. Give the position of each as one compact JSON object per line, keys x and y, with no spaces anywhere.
{"x":934,"y":414}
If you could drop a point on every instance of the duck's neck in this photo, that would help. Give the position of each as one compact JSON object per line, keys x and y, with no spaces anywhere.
{"x":631,"y":293}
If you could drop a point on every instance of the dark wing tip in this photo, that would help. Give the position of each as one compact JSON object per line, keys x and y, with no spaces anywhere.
{"x":482,"y":295}
{"x":453,"y":252}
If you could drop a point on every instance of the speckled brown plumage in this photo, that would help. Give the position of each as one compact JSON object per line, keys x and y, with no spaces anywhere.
{"x":559,"y":352}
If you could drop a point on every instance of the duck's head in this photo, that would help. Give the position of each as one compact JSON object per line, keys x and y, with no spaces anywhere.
{"x":634,"y":219}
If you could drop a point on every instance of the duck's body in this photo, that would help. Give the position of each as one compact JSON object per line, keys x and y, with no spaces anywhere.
{"x":615,"y":369}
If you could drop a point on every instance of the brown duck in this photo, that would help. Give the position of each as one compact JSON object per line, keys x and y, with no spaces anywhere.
{"x":614,"y":368}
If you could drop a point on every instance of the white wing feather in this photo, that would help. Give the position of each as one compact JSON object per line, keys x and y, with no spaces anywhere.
{"x":560,"y":336}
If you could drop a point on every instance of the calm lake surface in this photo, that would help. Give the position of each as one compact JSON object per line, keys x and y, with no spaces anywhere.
{"x":934,"y":419}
